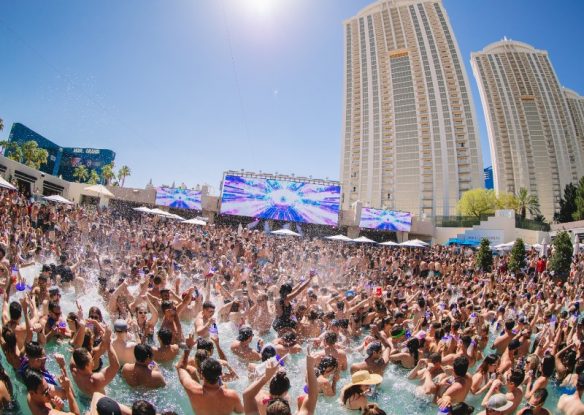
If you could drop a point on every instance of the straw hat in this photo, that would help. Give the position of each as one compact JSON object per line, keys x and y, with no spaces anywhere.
{"x":363,"y":377}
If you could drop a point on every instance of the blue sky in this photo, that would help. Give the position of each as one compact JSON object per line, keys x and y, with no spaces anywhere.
{"x":185,"y":89}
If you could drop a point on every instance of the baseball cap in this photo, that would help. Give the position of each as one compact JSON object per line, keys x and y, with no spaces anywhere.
{"x":107,"y":406}
{"x":120,"y":326}
{"x":499,"y":402}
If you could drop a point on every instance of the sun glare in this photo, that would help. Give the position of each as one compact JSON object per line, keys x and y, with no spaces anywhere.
{"x":261,"y":7}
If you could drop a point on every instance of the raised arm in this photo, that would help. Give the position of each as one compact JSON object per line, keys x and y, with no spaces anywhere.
{"x":250,"y":405}
{"x":309,"y":404}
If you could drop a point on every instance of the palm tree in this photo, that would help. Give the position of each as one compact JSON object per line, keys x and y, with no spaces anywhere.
{"x":1,"y":124}
{"x":122,"y":174}
{"x":93,"y":177}
{"x":81,"y":173}
{"x":527,"y":203}
{"x":107,"y":172}
{"x":12,"y":150}
{"x":33,"y":156}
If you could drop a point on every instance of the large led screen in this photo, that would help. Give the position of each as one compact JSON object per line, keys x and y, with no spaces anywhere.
{"x":281,"y":200}
{"x":178,"y":198}
{"x":385,"y":220}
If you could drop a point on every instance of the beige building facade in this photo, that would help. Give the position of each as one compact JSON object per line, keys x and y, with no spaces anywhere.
{"x":576,"y":108}
{"x":409,"y":138}
{"x":531,"y":134}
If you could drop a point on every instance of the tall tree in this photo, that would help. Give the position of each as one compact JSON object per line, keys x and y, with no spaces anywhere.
{"x":579,"y":201}
{"x":93,"y":177}
{"x":561,"y":259}
{"x":107,"y":172}
{"x":477,"y":202}
{"x":567,"y":204}
{"x":507,"y":201}
{"x":527,"y":202}
{"x":517,"y":259}
{"x":12,"y":150}
{"x":1,"y":124}
{"x":484,"y":258}
{"x":80,"y":173}
{"x":123,"y":173}
{"x":34,"y":156}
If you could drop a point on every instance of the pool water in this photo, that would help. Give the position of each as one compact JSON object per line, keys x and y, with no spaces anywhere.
{"x":396,"y":395}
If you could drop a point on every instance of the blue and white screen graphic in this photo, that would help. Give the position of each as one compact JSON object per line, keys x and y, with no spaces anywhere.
{"x":386,"y":220}
{"x":281,"y":200}
{"x":178,"y":198}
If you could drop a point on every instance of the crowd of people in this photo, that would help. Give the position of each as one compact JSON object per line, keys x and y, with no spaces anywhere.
{"x":167,"y":291}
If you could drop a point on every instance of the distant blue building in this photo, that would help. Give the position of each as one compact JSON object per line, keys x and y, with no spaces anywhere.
{"x":489,"y":184}
{"x":63,"y":160}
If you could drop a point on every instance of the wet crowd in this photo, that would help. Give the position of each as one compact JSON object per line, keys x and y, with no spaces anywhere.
{"x":166,"y":290}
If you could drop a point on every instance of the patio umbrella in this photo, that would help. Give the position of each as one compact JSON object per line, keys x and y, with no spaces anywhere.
{"x":100,"y":190}
{"x":143,"y":209}
{"x":414,"y":244}
{"x":5,"y":184}
{"x":339,"y":238}
{"x":389,"y":243}
{"x":419,"y":242}
{"x":195,"y":221}
{"x":175,"y":216}
{"x":364,"y":240}
{"x":58,"y":199}
{"x":160,"y":212}
{"x":285,"y":232}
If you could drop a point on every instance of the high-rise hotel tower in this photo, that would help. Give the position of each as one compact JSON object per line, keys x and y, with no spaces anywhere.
{"x":531,"y":132}
{"x":409,"y":140}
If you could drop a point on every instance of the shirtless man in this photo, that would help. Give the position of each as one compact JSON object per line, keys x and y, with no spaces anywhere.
{"x":142,"y":373}
{"x":204,"y":398}
{"x":501,"y":342}
{"x":330,"y":349}
{"x":41,"y":398}
{"x":123,"y":347}
{"x":572,"y":404}
{"x":88,"y":381}
{"x":167,"y":351}
{"x":455,"y":388}
{"x":514,"y":391}
{"x":205,"y":319}
{"x":376,"y":361}
{"x":241,"y":348}
{"x":11,"y":316}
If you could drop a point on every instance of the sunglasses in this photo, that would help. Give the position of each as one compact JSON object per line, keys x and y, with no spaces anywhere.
{"x":142,"y":312}
{"x":94,"y":317}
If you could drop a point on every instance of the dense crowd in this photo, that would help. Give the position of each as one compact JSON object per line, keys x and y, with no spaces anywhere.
{"x":167,"y":289}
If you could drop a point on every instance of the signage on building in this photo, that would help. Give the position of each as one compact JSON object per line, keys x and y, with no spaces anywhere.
{"x":495,"y":236}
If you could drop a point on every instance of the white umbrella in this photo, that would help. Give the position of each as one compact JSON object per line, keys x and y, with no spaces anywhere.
{"x":5,"y":184}
{"x":160,"y":212}
{"x":195,"y":221}
{"x":364,"y":239}
{"x":389,"y":243}
{"x":414,"y":244}
{"x":143,"y":209}
{"x":100,"y":190}
{"x":285,"y":232}
{"x":339,"y":238}
{"x":58,"y":199}
{"x":174,"y":216}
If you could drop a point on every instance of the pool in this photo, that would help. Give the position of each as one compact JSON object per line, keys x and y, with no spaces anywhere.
{"x":396,"y":395}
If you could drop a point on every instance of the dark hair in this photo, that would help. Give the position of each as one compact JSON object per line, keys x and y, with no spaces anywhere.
{"x":548,"y":365}
{"x":208,"y":304}
{"x":280,"y":384}
{"x":326,"y":363}
{"x":541,"y":395}
{"x":33,"y":349}
{"x":166,"y":305}
{"x":461,"y":408}
{"x":509,"y":324}
{"x":53,"y":305}
{"x":460,"y":365}
{"x":413,"y":345}
{"x":245,"y":333}
{"x":268,"y":352}
{"x":211,"y":370}
{"x":488,"y":361}
{"x":517,"y":376}
{"x":204,"y":344}
{"x":15,"y":310}
{"x":81,"y":357}
{"x":285,"y":289}
{"x":349,"y":392}
{"x":143,"y":407}
{"x":374,"y":347}
{"x":165,"y":336}
{"x":142,"y":352}
{"x":6,"y":379}
{"x":32,"y":379}
{"x":330,"y":337}
{"x":373,"y":409}
{"x":9,"y":337}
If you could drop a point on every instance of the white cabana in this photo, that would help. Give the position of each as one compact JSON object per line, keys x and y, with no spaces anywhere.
{"x":175,"y":216}
{"x":364,"y":240}
{"x":143,"y":209}
{"x":5,"y":184}
{"x":339,"y":238}
{"x":285,"y":232}
{"x":389,"y":243}
{"x":195,"y":221}
{"x":508,"y":246}
{"x":160,"y":212}
{"x":100,"y":190}
{"x":58,"y":199}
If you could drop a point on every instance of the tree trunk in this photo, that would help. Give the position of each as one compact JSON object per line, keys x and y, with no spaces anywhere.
{"x":523,"y":212}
